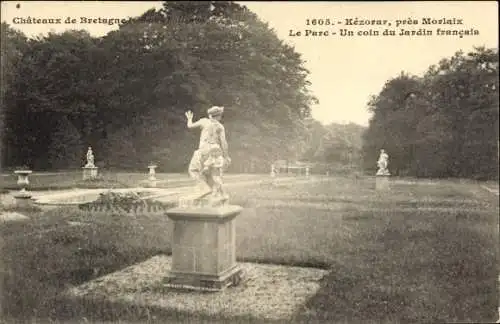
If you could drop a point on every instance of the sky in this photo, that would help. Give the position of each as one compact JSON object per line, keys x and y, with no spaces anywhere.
{"x":345,"y":71}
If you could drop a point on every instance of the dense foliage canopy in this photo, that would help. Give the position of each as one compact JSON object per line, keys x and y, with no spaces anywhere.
{"x":443,"y":124}
{"x":125,"y":94}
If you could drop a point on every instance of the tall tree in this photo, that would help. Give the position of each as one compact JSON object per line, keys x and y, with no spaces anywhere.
{"x":13,"y":46}
{"x":66,"y":147}
{"x":194,"y":55}
{"x":60,"y":80}
{"x":392,"y":125}
{"x":126,"y":93}
{"x":447,"y":125}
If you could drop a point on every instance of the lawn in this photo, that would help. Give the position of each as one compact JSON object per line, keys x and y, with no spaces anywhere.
{"x":423,"y":252}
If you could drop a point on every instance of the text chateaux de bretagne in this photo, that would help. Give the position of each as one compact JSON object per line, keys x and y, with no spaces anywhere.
{"x":68,"y":20}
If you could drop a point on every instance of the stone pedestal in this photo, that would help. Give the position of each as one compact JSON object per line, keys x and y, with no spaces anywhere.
{"x":23,"y":199}
{"x":152,"y":175}
{"x":382,"y":182}
{"x":383,"y":172}
{"x":89,"y":172}
{"x":204,"y":248}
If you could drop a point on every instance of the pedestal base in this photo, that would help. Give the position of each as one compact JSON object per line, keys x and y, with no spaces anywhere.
{"x":204,"y":282}
{"x":383,"y":172}
{"x":208,"y":201}
{"x":152,"y":173}
{"x":203,"y":249}
{"x":23,"y":200}
{"x":89,"y":173}
{"x":382,"y":183}
{"x":270,"y":293}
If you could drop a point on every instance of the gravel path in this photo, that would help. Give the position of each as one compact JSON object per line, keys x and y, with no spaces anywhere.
{"x":267,"y":292}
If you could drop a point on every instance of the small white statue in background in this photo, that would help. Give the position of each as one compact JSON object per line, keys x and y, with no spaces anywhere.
{"x":382,"y":163}
{"x":90,"y":158}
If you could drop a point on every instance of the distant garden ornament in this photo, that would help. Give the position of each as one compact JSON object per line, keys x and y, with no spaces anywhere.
{"x":152,"y":173}
{"x":23,"y":197}
{"x":90,"y":170}
{"x":273,"y":170}
{"x":383,"y":163}
{"x":90,"y":158}
{"x":22,"y":177}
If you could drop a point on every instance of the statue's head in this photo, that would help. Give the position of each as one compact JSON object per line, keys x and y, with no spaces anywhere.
{"x":215,"y":112}
{"x":382,"y":151}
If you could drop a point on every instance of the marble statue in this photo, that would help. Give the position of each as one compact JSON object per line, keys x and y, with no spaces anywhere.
{"x":211,"y":158}
{"x":90,"y":158}
{"x":382,"y":163}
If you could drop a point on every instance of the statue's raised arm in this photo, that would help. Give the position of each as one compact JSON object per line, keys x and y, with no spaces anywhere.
{"x":190,"y":124}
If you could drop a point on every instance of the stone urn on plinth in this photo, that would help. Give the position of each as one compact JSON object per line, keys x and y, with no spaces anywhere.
{"x":152,"y":174}
{"x":23,"y":197}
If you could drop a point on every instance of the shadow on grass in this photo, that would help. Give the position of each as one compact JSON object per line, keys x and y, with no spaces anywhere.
{"x":32,"y":290}
{"x":45,"y":256}
{"x":444,"y":273}
{"x":317,"y":264}
{"x":98,"y":310}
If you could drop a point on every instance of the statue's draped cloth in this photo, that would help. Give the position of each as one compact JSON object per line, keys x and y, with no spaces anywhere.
{"x":209,"y":154}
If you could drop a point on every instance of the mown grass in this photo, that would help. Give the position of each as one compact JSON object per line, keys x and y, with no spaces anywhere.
{"x":419,"y":253}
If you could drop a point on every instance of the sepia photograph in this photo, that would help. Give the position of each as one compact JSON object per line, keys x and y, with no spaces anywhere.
{"x":249,"y":162}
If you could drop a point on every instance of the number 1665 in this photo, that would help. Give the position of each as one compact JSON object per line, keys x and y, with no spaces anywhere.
{"x":319,"y":22}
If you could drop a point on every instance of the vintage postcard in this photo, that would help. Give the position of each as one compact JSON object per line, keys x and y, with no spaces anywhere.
{"x":268,"y":161}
